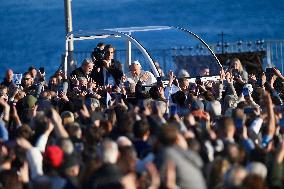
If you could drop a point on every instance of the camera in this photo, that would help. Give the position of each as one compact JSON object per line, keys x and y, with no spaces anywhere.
{"x":235,"y":73}
{"x":98,"y":54}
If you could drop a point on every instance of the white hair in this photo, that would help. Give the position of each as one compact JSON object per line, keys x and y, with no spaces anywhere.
{"x":123,"y":141}
{"x":183,"y":73}
{"x":214,"y":108}
{"x":136,"y":62}
{"x":109,"y":151}
{"x":257,"y":168}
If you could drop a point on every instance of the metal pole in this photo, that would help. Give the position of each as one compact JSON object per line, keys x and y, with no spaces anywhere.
{"x":281,"y":57}
{"x":128,"y":53}
{"x":68,"y":29}
{"x":222,"y":35}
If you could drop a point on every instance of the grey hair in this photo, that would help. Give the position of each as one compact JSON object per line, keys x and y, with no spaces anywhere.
{"x":257,"y":168}
{"x":87,"y":61}
{"x":108,"y":151}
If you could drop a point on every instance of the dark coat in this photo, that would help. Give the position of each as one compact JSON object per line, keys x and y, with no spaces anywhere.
{"x":98,"y":75}
{"x":108,"y":176}
{"x":78,"y":72}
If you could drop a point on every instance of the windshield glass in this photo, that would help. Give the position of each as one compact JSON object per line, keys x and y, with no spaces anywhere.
{"x":170,"y":49}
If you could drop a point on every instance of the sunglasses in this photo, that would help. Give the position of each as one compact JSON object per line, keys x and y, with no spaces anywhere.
{"x":27,"y":78}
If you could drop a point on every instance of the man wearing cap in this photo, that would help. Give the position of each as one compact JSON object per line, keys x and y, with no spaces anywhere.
{"x":137,"y":74}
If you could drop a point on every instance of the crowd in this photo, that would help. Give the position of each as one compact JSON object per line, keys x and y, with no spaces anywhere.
{"x":100,"y":128}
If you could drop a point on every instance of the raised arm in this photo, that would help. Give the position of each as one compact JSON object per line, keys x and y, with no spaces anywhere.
{"x":57,"y":122}
{"x":271,"y":115}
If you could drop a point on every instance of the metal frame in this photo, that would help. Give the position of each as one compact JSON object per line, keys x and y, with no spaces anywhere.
{"x":126,"y":33}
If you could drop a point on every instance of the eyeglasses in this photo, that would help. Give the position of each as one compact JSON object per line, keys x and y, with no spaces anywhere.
{"x":27,"y":78}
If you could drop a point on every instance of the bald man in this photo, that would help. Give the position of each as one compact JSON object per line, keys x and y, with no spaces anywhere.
{"x":8,"y":80}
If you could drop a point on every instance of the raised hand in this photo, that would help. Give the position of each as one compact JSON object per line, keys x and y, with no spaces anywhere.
{"x":222,"y":74}
{"x":6,"y":109}
{"x":252,"y":77}
{"x":74,"y":80}
{"x":229,"y":77}
{"x":145,"y":77}
{"x":56,"y":120}
{"x":83,"y":93}
{"x":277,"y":72}
{"x":171,"y":77}
{"x":61,"y":74}
{"x":85,"y":112}
{"x":123,"y":78}
{"x":263,"y":79}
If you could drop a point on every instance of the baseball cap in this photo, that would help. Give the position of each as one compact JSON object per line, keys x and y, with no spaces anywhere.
{"x":53,"y":156}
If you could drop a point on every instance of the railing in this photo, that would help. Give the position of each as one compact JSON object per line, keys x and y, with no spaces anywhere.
{"x":273,"y":48}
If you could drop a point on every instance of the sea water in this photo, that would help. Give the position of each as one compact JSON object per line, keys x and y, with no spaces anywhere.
{"x":32,"y":32}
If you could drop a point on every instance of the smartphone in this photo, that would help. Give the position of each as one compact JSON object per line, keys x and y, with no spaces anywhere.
{"x":198,"y":80}
{"x":84,"y":88}
{"x":175,"y":82}
{"x":235,"y":73}
{"x":159,"y":79}
{"x":246,"y":92}
{"x":269,"y":71}
{"x":41,"y":70}
{"x":113,"y":96}
{"x":259,"y":82}
{"x":126,"y":84}
{"x":17,"y":78}
{"x":192,"y":88}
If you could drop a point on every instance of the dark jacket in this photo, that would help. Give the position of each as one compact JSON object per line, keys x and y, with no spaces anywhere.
{"x":107,"y":176}
{"x":98,"y":75}
{"x":79,"y":73}
{"x":6,"y":83}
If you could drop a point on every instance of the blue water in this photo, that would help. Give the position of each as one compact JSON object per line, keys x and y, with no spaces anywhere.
{"x":32,"y":31}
